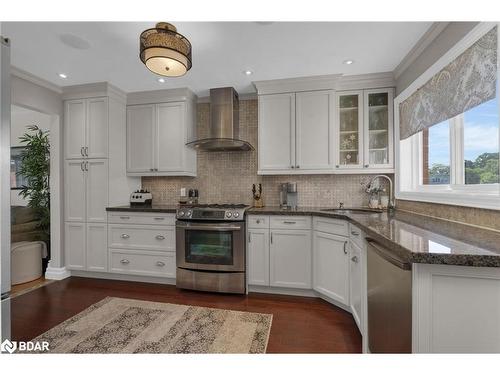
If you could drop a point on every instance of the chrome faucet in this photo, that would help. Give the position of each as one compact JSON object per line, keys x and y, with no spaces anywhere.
{"x":392,"y":203}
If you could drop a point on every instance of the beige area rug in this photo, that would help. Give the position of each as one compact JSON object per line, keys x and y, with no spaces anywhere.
{"x":119,"y":325}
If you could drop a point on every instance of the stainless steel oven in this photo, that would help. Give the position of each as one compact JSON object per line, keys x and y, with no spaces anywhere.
{"x":211,"y":252}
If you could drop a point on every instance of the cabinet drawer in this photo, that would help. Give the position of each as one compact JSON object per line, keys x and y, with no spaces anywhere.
{"x":290,"y":222}
{"x":356,"y":235}
{"x":256,"y":222}
{"x":332,"y":226}
{"x":151,"y":237}
{"x":142,"y":263}
{"x":125,"y":217}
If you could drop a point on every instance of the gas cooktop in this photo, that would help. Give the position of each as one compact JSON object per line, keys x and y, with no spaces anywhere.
{"x":226,"y":212}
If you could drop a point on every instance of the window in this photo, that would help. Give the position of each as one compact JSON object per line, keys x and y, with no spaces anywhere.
{"x":436,"y":155}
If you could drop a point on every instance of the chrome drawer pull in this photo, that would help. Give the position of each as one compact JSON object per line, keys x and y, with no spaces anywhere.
{"x":124,"y":235}
{"x":354,"y":259}
{"x":159,"y":218}
{"x":124,"y":217}
{"x":354,"y":233}
{"x":124,"y":261}
{"x":289,"y":222}
{"x":160,"y":237}
{"x":160,"y":263}
{"x":345,"y":250}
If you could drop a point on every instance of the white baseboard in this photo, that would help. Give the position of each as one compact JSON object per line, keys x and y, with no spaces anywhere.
{"x":57,"y":273}
{"x":117,"y":276}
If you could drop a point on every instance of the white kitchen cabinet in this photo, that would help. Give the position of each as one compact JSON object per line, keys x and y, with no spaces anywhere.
{"x":258,"y":257}
{"x":276,"y":132}
{"x":290,"y":258}
{"x":74,"y":243}
{"x":170,"y":150}
{"x":156,"y":139}
{"x":140,"y":133}
{"x":314,"y":130}
{"x":364,"y":131}
{"x":96,"y":247}
{"x":86,"y":128}
{"x":331,"y":266}
{"x":355,"y":288}
{"x":86,"y":190}
{"x":75,"y":190}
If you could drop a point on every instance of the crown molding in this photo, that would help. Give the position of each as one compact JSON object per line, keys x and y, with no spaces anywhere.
{"x":241,"y":97}
{"x":425,"y":40}
{"x":160,"y":96}
{"x":366,"y":81}
{"x":19,"y":73}
{"x":93,"y":90}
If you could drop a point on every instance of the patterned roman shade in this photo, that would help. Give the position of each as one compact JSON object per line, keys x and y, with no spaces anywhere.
{"x":466,"y":82}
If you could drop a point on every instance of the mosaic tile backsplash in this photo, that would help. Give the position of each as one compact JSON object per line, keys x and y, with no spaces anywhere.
{"x":227,"y":177}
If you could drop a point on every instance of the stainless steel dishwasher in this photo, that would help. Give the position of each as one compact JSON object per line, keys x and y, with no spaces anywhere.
{"x":389,"y":301}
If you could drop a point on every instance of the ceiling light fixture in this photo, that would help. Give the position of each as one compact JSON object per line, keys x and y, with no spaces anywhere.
{"x":62,"y":75}
{"x":248,"y":72}
{"x":161,"y":80}
{"x":348,"y":62}
{"x":164,"y":51}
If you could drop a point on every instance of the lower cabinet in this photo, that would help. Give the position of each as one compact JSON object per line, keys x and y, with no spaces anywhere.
{"x":355,"y":289}
{"x":290,"y":258}
{"x":258,"y":257}
{"x":147,"y":263}
{"x":331,"y":266}
{"x":86,"y":246}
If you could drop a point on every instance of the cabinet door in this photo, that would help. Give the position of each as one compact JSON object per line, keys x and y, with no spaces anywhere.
{"x":314,"y":130}
{"x":96,"y":247}
{"x":290,"y":258}
{"x":331,"y":266}
{"x":140,"y":134}
{"x":349,"y":131}
{"x":170,"y":139}
{"x":74,"y":128}
{"x":74,"y":245}
{"x":276,"y":132}
{"x":355,"y":266}
{"x":97,"y":128}
{"x":97,"y":189}
{"x":378,"y":126}
{"x":258,"y":257}
{"x":74,"y":190}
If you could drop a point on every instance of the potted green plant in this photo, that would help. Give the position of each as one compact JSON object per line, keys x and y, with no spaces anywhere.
{"x":35,"y":168}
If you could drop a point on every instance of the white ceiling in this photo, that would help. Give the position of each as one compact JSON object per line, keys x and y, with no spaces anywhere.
{"x":222,"y":51}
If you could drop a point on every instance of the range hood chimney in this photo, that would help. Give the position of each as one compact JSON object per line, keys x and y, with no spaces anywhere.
{"x":224,"y":123}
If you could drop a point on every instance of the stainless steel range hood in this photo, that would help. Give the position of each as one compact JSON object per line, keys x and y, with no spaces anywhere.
{"x":224,"y":123}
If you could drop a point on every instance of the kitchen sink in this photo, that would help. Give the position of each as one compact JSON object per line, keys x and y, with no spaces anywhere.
{"x":353,"y":210}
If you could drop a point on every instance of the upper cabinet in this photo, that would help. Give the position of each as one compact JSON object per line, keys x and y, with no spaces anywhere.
{"x":156,"y":139}
{"x":86,"y":128}
{"x":296,"y":132}
{"x":308,"y":129}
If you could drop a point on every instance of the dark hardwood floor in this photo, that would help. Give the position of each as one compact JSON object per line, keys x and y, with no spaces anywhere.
{"x":300,"y":325}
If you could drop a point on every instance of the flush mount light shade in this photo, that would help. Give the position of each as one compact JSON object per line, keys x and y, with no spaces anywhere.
{"x":164,"y":51}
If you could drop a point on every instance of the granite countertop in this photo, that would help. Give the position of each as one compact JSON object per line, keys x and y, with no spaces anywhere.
{"x":416,"y":238}
{"x":169,"y":209}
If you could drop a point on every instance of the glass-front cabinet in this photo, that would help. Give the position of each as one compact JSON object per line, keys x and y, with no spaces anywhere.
{"x":364,"y":133}
{"x":350,"y":130}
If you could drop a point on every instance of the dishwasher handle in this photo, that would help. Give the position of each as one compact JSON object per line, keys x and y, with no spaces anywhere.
{"x":388,"y":255}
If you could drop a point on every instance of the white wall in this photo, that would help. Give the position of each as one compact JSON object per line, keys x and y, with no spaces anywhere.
{"x":20,"y":119}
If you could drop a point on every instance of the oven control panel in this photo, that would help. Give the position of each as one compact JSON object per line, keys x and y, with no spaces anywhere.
{"x":210,"y":214}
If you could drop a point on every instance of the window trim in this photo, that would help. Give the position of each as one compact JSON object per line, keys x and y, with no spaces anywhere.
{"x":408,"y":177}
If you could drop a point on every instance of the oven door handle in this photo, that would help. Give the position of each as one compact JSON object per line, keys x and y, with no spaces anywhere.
{"x":211,"y":227}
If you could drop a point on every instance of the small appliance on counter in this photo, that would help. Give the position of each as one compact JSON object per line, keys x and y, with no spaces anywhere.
{"x":141,"y":198}
{"x":288,"y":195}
{"x":258,"y":201}
{"x":193,"y":196}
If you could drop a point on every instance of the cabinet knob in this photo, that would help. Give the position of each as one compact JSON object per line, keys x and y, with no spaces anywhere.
{"x":297,"y":166}
{"x":293,"y":166}
{"x":354,"y":233}
{"x":124,"y":235}
{"x":124,"y":261}
{"x":337,"y":166}
{"x":354,"y":259}
{"x":366,"y":165}
{"x":160,"y":237}
{"x":151,"y":169}
{"x":345,"y":247}
{"x":257,"y":221}
{"x":160,"y":263}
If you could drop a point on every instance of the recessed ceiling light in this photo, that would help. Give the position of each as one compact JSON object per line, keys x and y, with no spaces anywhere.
{"x":63,"y":76}
{"x":161,"y":80}
{"x":348,"y":62}
{"x":248,"y":72}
